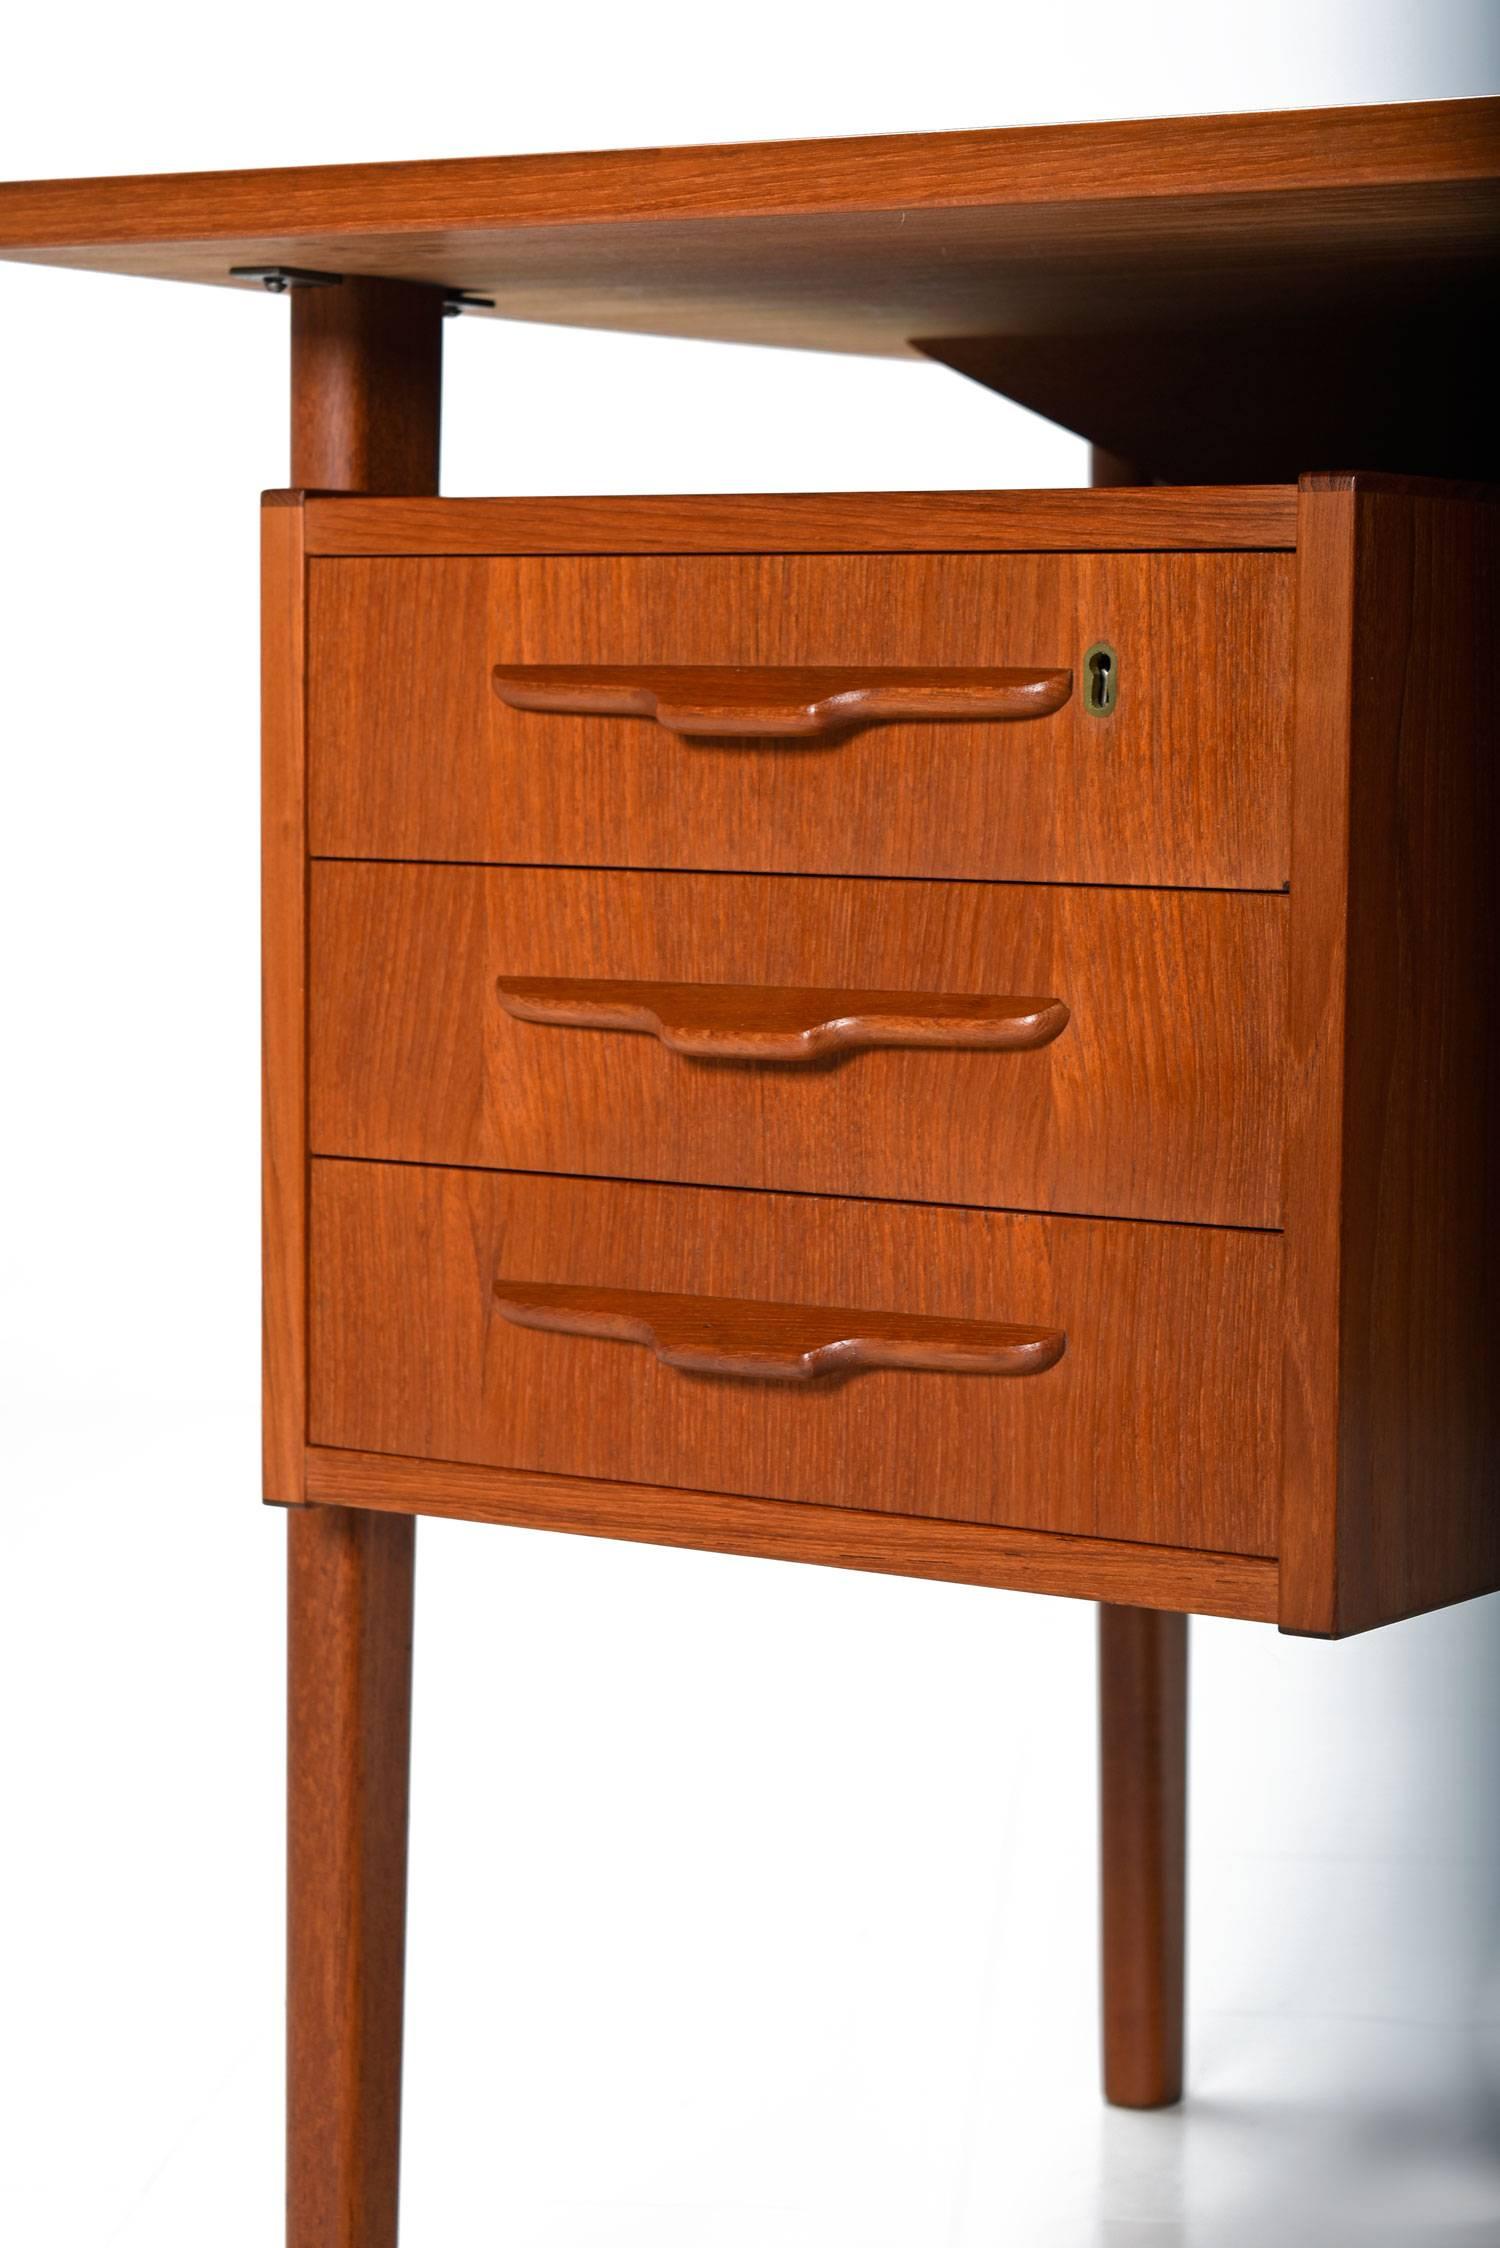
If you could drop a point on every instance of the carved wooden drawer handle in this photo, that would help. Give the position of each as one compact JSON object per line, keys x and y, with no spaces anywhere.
{"x":778,"y":1342}
{"x":794,"y":703}
{"x":747,"y":1022}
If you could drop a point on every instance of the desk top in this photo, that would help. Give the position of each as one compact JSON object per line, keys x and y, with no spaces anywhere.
{"x":864,"y":245}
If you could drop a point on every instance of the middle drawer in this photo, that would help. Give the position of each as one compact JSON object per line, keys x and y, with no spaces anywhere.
{"x":1086,"y":1050}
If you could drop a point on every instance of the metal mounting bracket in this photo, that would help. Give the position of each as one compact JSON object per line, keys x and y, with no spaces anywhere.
{"x":279,"y":278}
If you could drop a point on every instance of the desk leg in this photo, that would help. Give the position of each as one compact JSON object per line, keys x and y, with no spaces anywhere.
{"x":367,"y":361}
{"x":1143,"y":1676}
{"x":349,"y":1632}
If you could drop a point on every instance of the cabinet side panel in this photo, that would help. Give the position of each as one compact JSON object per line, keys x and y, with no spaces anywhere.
{"x":283,"y":1005}
{"x":1418,"y":1520}
{"x":1389,"y":1505}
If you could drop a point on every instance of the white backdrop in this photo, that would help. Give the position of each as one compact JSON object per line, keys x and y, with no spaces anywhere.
{"x":753,"y":1906}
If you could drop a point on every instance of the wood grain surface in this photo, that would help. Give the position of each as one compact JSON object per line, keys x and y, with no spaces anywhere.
{"x":1160,"y":1423}
{"x":836,"y":1537}
{"x":1392,"y":1378}
{"x":1185,"y":783}
{"x":856,"y":244}
{"x":1160,"y":1098}
{"x":1126,"y":520}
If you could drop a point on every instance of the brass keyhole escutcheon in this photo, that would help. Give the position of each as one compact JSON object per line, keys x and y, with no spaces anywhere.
{"x":1101,"y":679}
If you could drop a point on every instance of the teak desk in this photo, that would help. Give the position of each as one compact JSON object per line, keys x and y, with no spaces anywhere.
{"x":949,"y":1034}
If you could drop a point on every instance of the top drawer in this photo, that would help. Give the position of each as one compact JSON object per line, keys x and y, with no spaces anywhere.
{"x":1185,"y":781}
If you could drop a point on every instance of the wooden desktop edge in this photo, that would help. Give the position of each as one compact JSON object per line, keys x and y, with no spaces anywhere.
{"x":976,"y":1553}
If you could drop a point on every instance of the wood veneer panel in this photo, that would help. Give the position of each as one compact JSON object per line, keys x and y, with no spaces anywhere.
{"x":1393,"y":1429}
{"x":1160,"y":1423}
{"x":1210,"y":1584}
{"x":283,"y":1008}
{"x":855,"y":244}
{"x":809,"y":522}
{"x":1160,"y":1097}
{"x":415,"y":756}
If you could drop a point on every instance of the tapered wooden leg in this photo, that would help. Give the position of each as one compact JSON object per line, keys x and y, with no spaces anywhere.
{"x":1143,"y":1677}
{"x":349,"y":1636}
{"x":366,"y":406}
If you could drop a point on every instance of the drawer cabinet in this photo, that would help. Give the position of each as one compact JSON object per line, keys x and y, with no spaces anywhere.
{"x":955,"y":1061}
{"x":1183,"y":779}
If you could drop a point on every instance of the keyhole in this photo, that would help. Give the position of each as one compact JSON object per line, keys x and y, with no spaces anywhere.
{"x":1101,"y":679}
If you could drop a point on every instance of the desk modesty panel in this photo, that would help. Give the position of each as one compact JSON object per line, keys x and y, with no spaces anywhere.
{"x":1196,"y":1025}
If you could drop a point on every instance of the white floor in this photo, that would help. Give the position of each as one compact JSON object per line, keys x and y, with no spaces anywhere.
{"x":752,"y":1906}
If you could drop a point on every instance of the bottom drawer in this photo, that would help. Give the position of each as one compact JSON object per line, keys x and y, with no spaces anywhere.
{"x":1124,"y":1382}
